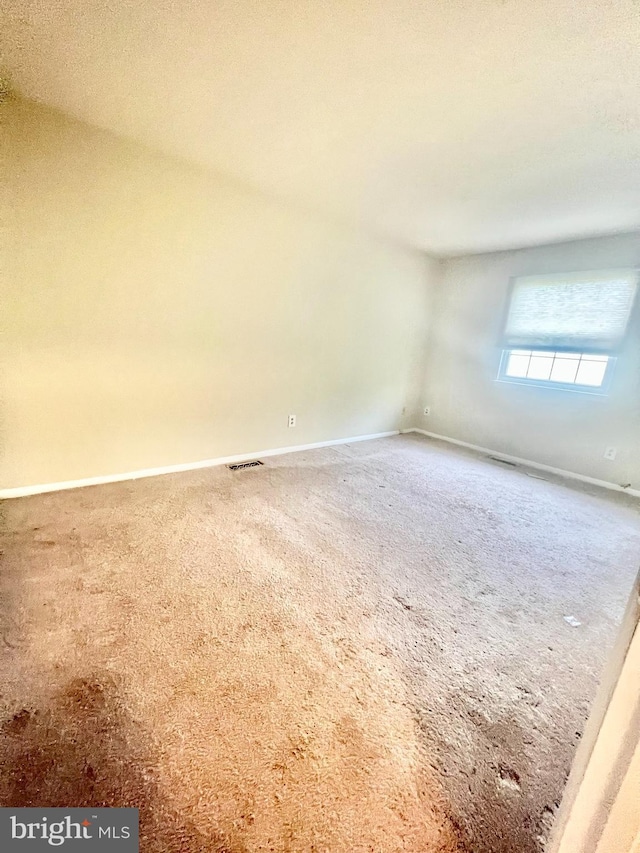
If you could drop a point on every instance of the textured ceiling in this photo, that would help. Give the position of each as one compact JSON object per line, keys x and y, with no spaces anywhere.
{"x":454,"y":126}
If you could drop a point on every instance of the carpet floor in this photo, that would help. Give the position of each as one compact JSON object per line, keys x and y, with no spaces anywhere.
{"x":359,"y":648}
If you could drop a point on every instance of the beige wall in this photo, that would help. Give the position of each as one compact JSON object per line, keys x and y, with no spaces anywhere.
{"x":566,"y":430}
{"x":155,"y":314}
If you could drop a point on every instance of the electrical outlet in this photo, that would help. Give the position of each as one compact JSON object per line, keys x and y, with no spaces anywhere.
{"x":292,"y":421}
{"x":427,"y":410}
{"x":610,"y":453}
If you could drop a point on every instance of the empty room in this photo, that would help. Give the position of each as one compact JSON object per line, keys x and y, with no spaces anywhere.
{"x":320,"y":426}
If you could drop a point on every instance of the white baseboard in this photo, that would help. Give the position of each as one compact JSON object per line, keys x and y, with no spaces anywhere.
{"x":529,"y":464}
{"x":23,"y":491}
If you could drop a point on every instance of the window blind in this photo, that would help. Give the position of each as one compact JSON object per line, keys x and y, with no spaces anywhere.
{"x":580,"y":312}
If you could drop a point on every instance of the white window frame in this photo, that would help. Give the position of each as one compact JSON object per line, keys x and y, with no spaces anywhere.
{"x":600,"y":390}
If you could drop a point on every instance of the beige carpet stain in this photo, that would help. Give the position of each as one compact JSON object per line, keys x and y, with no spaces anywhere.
{"x":303,"y":656}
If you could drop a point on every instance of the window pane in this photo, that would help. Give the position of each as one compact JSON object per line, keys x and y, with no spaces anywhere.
{"x":564,"y":369}
{"x":517,"y":365}
{"x":540,"y":366}
{"x":591,"y":372}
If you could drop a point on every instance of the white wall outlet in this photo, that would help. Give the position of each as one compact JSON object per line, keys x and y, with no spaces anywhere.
{"x":610,"y":453}
{"x":427,"y":410}
{"x":292,"y":421}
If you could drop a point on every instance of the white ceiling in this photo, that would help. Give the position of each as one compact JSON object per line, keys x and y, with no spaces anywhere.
{"x":455,"y":126}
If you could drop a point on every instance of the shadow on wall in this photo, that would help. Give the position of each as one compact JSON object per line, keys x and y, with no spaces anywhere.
{"x":83,"y":750}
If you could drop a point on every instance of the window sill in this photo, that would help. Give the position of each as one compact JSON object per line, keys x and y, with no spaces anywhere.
{"x":554,"y":386}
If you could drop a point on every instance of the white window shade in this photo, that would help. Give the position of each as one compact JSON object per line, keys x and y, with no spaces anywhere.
{"x":583,"y":312}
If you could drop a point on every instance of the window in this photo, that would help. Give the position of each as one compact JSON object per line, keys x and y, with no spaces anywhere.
{"x":564,"y":331}
{"x":574,"y":370}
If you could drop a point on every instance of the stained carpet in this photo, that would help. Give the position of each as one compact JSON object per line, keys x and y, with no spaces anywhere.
{"x":359,"y":648}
